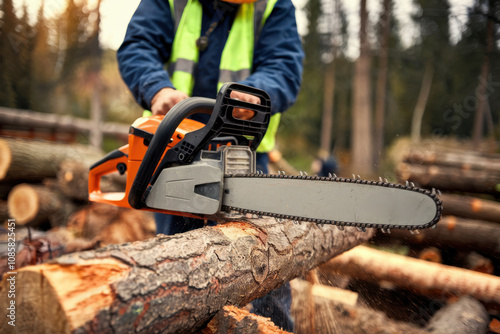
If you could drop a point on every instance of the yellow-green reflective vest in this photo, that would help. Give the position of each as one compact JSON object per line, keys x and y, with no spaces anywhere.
{"x":237,"y":56}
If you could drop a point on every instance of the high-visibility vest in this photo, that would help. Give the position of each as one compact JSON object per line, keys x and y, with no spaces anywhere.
{"x":237,"y":55}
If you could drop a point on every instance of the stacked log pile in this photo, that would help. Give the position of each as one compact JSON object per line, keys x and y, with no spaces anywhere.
{"x":43,"y":186}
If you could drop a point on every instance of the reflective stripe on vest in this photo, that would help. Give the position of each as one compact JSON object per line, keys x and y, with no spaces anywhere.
{"x":237,"y":55}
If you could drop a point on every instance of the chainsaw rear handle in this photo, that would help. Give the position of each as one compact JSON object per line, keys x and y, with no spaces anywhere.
{"x":221,"y":122}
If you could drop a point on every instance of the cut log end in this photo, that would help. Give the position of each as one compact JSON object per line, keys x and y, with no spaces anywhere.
{"x":75,"y":294}
{"x":5,"y":158}
{"x":23,"y":203}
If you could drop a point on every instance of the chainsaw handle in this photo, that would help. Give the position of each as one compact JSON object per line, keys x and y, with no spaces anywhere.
{"x":164,"y":133}
{"x":221,"y":122}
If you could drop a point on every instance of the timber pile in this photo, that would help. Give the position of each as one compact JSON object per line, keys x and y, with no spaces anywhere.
{"x":43,"y":186}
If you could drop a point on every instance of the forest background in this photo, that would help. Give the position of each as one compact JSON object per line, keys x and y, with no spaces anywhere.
{"x":353,"y":107}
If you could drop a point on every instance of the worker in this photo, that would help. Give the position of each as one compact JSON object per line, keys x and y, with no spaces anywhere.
{"x":179,"y":48}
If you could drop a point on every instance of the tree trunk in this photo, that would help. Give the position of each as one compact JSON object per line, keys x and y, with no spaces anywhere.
{"x":465,"y":316}
{"x":327,"y":119}
{"x":482,"y":88}
{"x":33,"y":205}
{"x":385,"y":21}
{"x":449,"y":178}
{"x":423,"y":96}
{"x":471,"y":207}
{"x":458,"y":233}
{"x":35,"y":160}
{"x":171,"y":283}
{"x":362,"y":152}
{"x":409,"y":273}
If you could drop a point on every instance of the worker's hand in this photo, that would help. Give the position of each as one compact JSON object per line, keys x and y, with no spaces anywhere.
{"x":165,"y":99}
{"x":241,"y":113}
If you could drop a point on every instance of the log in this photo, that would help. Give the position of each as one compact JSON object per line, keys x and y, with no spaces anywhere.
{"x":171,"y":283}
{"x":25,"y":160}
{"x":471,"y":207}
{"x":449,"y":178}
{"x":454,"y":232}
{"x":233,"y":320}
{"x":465,"y":160}
{"x":425,"y":277}
{"x":34,"y":204}
{"x":431,"y":254}
{"x":465,"y":316}
{"x":476,"y":262}
{"x":59,"y":123}
{"x":111,"y":224}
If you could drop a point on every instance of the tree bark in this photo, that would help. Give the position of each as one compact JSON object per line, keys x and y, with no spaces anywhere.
{"x":458,"y":233}
{"x":33,"y":161}
{"x":33,"y":204}
{"x":362,"y":136}
{"x":171,"y":283}
{"x":449,"y":178}
{"x":471,"y":207}
{"x":425,"y":277}
{"x":465,"y":316}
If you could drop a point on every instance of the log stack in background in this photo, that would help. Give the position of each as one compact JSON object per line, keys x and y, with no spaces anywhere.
{"x":43,"y":186}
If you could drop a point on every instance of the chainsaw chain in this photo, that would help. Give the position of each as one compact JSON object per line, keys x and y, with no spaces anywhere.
{"x":340,"y":224}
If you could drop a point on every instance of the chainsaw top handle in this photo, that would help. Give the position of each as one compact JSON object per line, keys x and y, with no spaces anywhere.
{"x":221,"y":122}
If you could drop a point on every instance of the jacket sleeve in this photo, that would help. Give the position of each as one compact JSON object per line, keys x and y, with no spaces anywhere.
{"x":278,"y":57}
{"x":145,"y":50}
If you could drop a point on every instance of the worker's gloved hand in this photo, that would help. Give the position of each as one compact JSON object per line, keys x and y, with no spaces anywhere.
{"x":165,"y":99}
{"x":241,"y":113}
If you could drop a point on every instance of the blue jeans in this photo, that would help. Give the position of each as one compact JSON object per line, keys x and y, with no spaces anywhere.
{"x":277,"y":303}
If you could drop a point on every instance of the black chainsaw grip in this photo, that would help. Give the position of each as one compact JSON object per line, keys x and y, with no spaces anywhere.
{"x":164,"y":132}
{"x":221,"y":123}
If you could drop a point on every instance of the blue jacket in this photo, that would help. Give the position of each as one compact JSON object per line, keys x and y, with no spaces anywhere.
{"x":277,"y":61}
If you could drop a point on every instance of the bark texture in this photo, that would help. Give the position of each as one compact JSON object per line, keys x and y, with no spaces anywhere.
{"x":171,"y":283}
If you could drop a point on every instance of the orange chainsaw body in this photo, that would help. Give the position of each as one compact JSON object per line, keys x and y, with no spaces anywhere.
{"x":128,"y":158}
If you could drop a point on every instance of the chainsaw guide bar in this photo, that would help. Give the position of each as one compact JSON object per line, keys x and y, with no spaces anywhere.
{"x":246,"y":204}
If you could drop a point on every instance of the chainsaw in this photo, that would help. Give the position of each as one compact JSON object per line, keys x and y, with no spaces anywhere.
{"x":179,"y":166}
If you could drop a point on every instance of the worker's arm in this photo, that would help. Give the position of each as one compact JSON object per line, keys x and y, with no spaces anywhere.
{"x":278,"y":56}
{"x":144,"y":52}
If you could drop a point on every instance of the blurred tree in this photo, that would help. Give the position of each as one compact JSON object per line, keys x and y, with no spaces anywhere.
{"x":381,"y":86}
{"x":8,"y":40}
{"x":362,"y":132}
{"x":433,"y":23}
